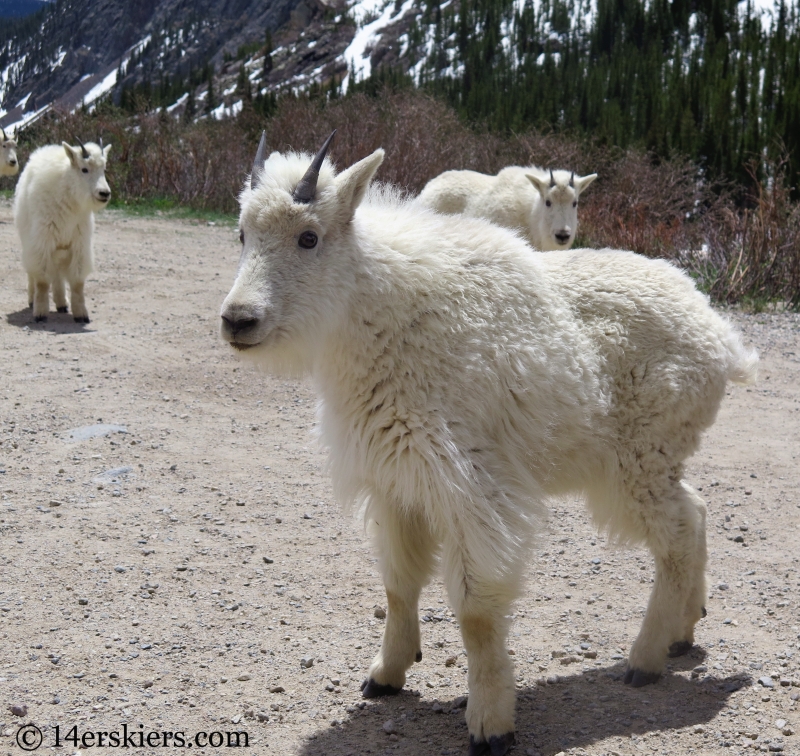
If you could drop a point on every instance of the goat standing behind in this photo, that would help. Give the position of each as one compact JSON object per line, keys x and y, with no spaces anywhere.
{"x":54,"y":205}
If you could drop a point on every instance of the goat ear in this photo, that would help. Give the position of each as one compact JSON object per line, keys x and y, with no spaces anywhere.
{"x":582,"y":182}
{"x":72,"y":153}
{"x":106,"y":150}
{"x":540,"y":184}
{"x":352,"y":184}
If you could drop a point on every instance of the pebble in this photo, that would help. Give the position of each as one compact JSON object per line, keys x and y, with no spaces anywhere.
{"x":244,"y":677}
{"x":54,"y":503}
{"x":307,"y":516}
{"x":780,"y":723}
{"x":307,"y":662}
{"x":147,"y":684}
{"x":380,"y":612}
{"x":786,"y":682}
{"x":19,"y":711}
{"x":267,"y":560}
{"x":83,"y":601}
{"x":766,"y":681}
{"x":389,"y":727}
{"x":450,"y":661}
{"x":437,"y":707}
{"x":277,"y":689}
{"x":262,"y":716}
{"x":119,"y":568}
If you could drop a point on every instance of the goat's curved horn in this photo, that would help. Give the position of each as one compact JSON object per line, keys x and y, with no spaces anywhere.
{"x":101,"y":143}
{"x":307,"y":188}
{"x":572,"y":179}
{"x":258,"y":163}
{"x":5,"y":138}
{"x":84,"y":151}
{"x":552,"y":179}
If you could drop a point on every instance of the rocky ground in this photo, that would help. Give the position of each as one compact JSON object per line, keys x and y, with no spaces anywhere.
{"x":172,"y":560}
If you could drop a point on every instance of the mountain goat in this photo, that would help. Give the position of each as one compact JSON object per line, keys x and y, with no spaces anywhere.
{"x":463,"y":381}
{"x":9,"y":165}
{"x":542,"y":206}
{"x":54,"y":204}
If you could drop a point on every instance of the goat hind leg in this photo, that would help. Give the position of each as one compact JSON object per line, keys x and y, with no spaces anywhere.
{"x":406,"y":550}
{"x":677,"y":541}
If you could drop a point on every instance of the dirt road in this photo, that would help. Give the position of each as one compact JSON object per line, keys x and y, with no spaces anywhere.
{"x":192,"y":573}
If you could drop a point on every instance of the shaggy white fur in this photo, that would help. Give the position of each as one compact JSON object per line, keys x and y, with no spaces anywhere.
{"x":9,"y":165}
{"x":463,"y":381}
{"x":54,"y":205}
{"x":543,"y":207}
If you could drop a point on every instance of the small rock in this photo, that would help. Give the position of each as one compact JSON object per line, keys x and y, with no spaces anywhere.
{"x":389,"y":727}
{"x":568,"y":660}
{"x":119,"y":568}
{"x":787,"y":730}
{"x":83,"y":601}
{"x":780,"y":723}
{"x":437,"y":707}
{"x":147,"y":684}
{"x":590,"y":654}
{"x":380,"y":612}
{"x":786,"y":682}
{"x":19,"y":711}
{"x":450,"y":661}
{"x":699,"y":729}
{"x":307,"y":662}
{"x":307,"y":516}
{"x":54,"y":503}
{"x":267,"y":560}
{"x":244,"y":677}
{"x":276,"y":689}
{"x":558,"y":654}
{"x":336,"y":681}
{"x":262,"y":716}
{"x":766,"y":681}
{"x":223,"y":679}
{"x":460,"y":702}
{"x":329,"y":687}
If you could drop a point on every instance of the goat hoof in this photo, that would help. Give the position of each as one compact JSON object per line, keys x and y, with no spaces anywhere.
{"x":371,"y":689}
{"x":61,"y":309}
{"x":637,"y":678}
{"x":30,"y":304}
{"x":705,"y":613}
{"x":418,"y":657}
{"x":679,"y":648}
{"x":84,"y":319}
{"x":40,"y":318}
{"x":498,"y":745}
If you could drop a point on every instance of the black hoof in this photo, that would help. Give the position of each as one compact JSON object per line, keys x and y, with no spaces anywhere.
{"x":498,"y":745}
{"x":61,"y":309}
{"x":418,"y":657}
{"x":705,"y":613}
{"x":30,"y":304}
{"x":41,"y":318}
{"x":371,"y":689}
{"x":636,"y":678}
{"x":679,"y":648}
{"x":82,"y":320}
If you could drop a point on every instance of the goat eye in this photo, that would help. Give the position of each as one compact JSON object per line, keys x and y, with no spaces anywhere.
{"x":574,"y":204}
{"x":548,"y":203}
{"x":307,"y":240}
{"x":241,"y":236}
{"x":85,"y":170}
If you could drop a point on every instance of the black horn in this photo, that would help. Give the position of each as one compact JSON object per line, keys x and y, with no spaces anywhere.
{"x":307,"y":188}
{"x":552,"y":179}
{"x":572,"y":179}
{"x":258,"y":163}
{"x":84,"y":151}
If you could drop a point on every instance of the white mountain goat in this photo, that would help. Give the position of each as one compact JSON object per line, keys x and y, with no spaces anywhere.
{"x":542,"y":206}
{"x":9,"y":165}
{"x":463,"y":381}
{"x":54,"y":204}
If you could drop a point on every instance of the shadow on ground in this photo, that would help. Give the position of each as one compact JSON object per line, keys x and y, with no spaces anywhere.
{"x":579,"y":710}
{"x":57,"y":322}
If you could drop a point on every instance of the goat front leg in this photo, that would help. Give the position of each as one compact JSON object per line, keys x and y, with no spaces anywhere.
{"x":481,"y":605}
{"x":406,"y":550}
{"x":79,"y":311}
{"x":41,"y":301}
{"x":59,"y":295}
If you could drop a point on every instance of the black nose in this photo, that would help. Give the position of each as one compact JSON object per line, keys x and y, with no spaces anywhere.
{"x":563,"y":238}
{"x":240,"y":325}
{"x":104,"y":195}
{"x":12,"y":162}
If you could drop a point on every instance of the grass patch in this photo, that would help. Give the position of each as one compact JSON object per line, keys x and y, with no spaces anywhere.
{"x":169,"y":208}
